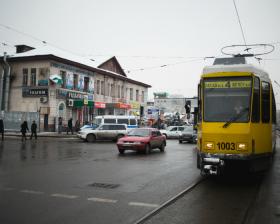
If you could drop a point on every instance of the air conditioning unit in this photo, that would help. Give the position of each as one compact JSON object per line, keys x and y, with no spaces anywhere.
{"x":70,"y":103}
{"x":43,"y":99}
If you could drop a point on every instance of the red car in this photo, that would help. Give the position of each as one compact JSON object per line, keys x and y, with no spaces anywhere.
{"x":142,"y":139}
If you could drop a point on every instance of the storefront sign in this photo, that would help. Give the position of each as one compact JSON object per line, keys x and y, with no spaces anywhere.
{"x":99,"y":105}
{"x":34,"y":92}
{"x":135,"y":105}
{"x":123,"y":106}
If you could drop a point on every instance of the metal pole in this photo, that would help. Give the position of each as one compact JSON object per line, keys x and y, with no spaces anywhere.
{"x":2,"y":88}
{"x":7,"y":89}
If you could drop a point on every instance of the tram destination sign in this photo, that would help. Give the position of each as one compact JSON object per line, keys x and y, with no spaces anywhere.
{"x":34,"y":92}
{"x":228,"y":84}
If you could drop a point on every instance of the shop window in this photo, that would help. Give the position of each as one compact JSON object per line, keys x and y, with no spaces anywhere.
{"x":33,"y":77}
{"x":24,"y":77}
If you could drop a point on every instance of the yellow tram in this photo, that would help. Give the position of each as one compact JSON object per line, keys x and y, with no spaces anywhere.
{"x":237,"y":116}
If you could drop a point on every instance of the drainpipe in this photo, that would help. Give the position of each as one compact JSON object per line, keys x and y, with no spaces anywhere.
{"x":7,"y":89}
{"x":2,"y":87}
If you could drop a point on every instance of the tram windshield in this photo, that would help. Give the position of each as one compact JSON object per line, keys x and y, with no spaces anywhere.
{"x":227,"y":99}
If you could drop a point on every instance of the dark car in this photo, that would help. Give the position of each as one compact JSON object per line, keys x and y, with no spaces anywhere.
{"x":188,"y":134}
{"x":142,"y":139}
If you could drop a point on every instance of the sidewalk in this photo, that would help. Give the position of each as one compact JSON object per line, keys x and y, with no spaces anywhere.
{"x":43,"y":134}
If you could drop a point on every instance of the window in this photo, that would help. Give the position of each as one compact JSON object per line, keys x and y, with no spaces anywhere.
{"x":256,"y":101}
{"x":24,"y":77}
{"x":86,"y":83}
{"x":131,"y":94}
{"x":227,"y":98}
{"x":33,"y":77}
{"x":137,"y":95}
{"x":122,"y":121}
{"x":119,"y":91}
{"x":143,"y":96}
{"x":63,"y":77}
{"x":265,"y":102}
{"x":102,"y":88}
{"x":132,"y":121}
{"x":108,"y":89}
{"x":122,"y":92}
{"x":75,"y":82}
{"x":98,"y":87}
{"x":112,"y":90}
{"x":108,"y":121}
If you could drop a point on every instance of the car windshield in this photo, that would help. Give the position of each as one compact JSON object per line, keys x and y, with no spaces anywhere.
{"x":224,"y":98}
{"x":139,"y":132}
{"x":169,"y":128}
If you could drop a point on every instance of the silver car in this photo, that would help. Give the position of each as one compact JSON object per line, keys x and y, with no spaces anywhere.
{"x":104,"y":132}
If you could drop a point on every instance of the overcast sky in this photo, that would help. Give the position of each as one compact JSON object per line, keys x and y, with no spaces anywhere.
{"x":160,"y":42}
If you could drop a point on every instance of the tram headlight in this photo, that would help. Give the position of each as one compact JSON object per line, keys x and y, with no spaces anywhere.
{"x":241,"y":146}
{"x":209,"y":145}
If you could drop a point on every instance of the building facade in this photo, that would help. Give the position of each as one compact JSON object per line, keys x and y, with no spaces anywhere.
{"x":57,"y":85}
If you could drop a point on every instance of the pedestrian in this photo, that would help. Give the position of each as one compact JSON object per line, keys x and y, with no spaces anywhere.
{"x":2,"y":128}
{"x":24,"y":129}
{"x":70,"y":126}
{"x":77,"y":125}
{"x":59,"y":125}
{"x":33,"y":130}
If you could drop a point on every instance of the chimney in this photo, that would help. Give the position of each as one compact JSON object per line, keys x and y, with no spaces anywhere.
{"x":23,"y":48}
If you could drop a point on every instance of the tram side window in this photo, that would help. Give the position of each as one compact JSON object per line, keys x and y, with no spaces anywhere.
{"x":256,"y":101}
{"x":273,"y":108}
{"x":265,"y":102}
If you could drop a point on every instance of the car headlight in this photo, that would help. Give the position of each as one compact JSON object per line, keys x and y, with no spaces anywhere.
{"x":241,"y":146}
{"x":209,"y":145}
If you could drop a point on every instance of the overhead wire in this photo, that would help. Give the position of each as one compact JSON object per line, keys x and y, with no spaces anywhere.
{"x":243,"y":35}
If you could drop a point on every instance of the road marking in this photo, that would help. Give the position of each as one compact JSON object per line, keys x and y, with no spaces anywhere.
{"x":64,"y":196}
{"x":104,"y":200}
{"x":31,"y":192}
{"x":143,"y":204}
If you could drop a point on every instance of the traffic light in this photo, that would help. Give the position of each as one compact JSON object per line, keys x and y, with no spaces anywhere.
{"x":188,"y":106}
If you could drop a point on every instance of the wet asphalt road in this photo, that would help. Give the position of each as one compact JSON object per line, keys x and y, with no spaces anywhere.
{"x":70,"y":181}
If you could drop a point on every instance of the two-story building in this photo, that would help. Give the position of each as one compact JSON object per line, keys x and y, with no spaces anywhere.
{"x":56,"y":84}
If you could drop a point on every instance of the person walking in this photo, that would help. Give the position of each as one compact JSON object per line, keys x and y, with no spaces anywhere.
{"x":24,"y":129}
{"x":70,"y":126}
{"x":33,"y":130}
{"x":59,"y":125}
{"x":2,"y":128}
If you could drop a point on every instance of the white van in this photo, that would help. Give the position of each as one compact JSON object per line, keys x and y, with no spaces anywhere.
{"x":130,"y":121}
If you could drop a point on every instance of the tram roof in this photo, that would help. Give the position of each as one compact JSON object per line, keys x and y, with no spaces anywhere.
{"x":236,"y":68}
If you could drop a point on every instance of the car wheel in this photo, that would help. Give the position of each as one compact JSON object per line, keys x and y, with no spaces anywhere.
{"x":91,"y":138}
{"x":180,"y":141}
{"x":121,"y":151}
{"x":147,"y":149}
{"x":162,"y":147}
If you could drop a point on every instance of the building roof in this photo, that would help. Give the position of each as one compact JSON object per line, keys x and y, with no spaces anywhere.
{"x":47,"y":52}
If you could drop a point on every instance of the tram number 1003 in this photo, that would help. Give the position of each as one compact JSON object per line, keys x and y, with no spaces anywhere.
{"x":226,"y":146}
